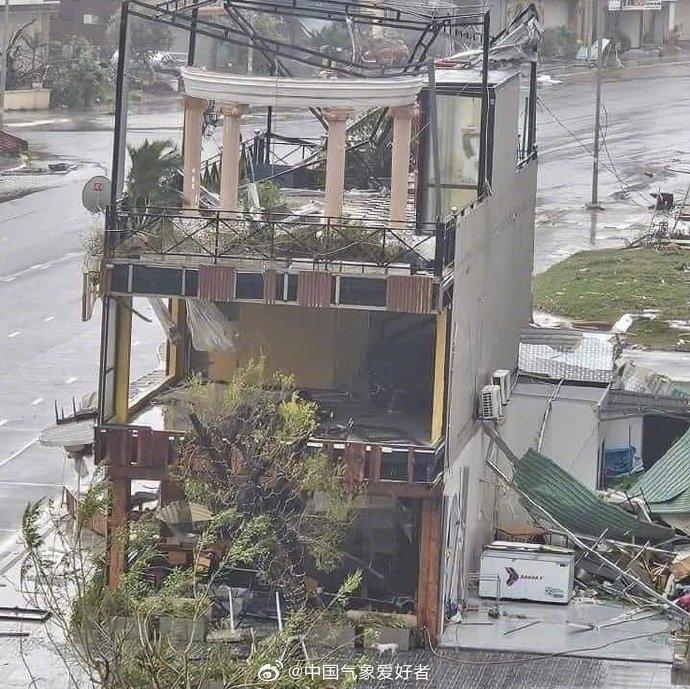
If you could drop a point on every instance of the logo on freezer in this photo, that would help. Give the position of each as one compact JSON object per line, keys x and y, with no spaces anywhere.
{"x":513,"y":576}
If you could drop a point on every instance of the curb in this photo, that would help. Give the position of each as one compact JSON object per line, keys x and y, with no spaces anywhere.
{"x":612,"y":74}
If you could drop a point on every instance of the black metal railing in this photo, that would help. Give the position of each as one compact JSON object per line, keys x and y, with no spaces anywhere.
{"x":216,"y":234}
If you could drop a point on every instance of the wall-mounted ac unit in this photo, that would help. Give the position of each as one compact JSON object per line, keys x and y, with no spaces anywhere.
{"x":490,"y":406}
{"x":501,"y":377}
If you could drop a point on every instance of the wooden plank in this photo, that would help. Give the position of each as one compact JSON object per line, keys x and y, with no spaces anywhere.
{"x":270,"y":283}
{"x":355,"y":460}
{"x":217,"y":283}
{"x":409,"y":293}
{"x":117,"y":536}
{"x":429,"y":565}
{"x":314,"y":288}
{"x":439,"y":392}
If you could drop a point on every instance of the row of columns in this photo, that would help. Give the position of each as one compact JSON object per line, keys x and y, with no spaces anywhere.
{"x":336,"y":145}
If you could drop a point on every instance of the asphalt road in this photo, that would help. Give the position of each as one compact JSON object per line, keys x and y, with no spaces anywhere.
{"x":47,"y":354}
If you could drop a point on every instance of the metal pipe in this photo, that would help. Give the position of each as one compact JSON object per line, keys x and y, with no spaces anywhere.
{"x":484,"y":123}
{"x":532,"y":128}
{"x":597,"y":107}
{"x":433,"y":130}
{"x":120,"y":129}
{"x":191,"y":46}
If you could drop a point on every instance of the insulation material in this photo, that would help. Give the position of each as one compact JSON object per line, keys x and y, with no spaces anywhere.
{"x":211,"y":331}
{"x":165,"y":319}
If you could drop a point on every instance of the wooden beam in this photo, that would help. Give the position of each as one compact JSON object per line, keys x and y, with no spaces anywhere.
{"x":176,"y":365}
{"x":123,"y":350}
{"x":117,"y":535}
{"x":439,"y":396}
{"x":429,"y":565}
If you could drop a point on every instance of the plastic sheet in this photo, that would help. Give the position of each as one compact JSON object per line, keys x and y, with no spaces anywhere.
{"x":211,"y":331}
{"x":164,"y":318}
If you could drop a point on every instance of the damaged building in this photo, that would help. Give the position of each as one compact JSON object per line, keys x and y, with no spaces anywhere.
{"x":390,"y":302}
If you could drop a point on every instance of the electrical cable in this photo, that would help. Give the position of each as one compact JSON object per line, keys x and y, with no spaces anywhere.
{"x":624,"y":188}
{"x":535,"y":657}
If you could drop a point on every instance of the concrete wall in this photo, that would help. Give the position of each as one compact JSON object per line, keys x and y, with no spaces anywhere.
{"x":571,"y":439}
{"x":682,"y":17}
{"x":27,"y":99}
{"x":492,"y":295}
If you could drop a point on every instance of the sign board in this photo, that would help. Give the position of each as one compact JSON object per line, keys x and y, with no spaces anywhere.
{"x":96,"y":194}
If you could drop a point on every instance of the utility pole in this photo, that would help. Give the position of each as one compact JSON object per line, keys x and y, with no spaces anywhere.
{"x":597,"y":108}
{"x":4,"y":62}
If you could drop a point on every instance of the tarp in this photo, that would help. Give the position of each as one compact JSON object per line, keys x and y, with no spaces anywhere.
{"x":211,"y":331}
{"x":666,"y":486}
{"x":577,"y":507}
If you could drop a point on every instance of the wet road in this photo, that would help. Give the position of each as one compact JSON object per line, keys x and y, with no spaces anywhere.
{"x":47,"y":353}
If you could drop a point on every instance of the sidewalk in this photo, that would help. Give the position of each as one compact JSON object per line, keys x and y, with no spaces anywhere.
{"x":632,"y":60}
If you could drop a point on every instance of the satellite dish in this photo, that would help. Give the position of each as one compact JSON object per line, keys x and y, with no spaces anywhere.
{"x":96,"y":194}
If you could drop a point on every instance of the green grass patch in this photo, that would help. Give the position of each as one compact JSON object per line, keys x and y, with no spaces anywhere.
{"x":603,"y":285}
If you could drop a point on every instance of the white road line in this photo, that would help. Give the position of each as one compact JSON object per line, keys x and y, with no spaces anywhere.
{"x":30,"y":484}
{"x":40,"y":266}
{"x":14,"y":333}
{"x":71,"y":380}
{"x":49,"y":318}
{"x":38,"y":123}
{"x":4,"y":421}
{"x":16,"y":454}
{"x":38,"y":400}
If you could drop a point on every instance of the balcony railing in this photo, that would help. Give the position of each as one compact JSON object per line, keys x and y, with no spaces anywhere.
{"x":216,"y":234}
{"x":140,"y":452}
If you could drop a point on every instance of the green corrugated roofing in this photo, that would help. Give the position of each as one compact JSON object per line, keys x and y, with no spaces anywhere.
{"x":670,"y":475}
{"x":576,"y":506}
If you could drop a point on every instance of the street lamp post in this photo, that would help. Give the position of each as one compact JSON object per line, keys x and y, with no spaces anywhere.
{"x":597,"y":108}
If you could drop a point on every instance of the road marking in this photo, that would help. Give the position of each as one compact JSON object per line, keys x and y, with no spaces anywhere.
{"x":49,"y":318}
{"x":71,"y":380}
{"x":40,"y":266}
{"x":38,"y":400}
{"x":38,"y":123}
{"x":4,"y":421}
{"x":14,"y":333}
{"x":16,"y":454}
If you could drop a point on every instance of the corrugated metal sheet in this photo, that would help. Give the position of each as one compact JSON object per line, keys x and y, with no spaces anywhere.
{"x":666,"y":486}
{"x":409,"y":293}
{"x":576,"y":506}
{"x":314,"y":288}
{"x":554,"y":337}
{"x":592,"y":360}
{"x":270,"y":281}
{"x":217,"y":283}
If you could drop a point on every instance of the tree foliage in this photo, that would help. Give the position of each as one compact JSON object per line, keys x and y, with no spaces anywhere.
{"x":151,"y":178}
{"x":77,"y":77}
{"x":248,"y":462}
{"x":249,"y":451}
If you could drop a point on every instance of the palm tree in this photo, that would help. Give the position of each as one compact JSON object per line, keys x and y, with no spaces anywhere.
{"x":152,"y":177}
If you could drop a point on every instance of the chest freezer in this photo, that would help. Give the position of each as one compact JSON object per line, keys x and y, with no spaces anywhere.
{"x":527,"y":571}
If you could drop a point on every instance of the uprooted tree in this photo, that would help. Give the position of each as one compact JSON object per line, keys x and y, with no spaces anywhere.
{"x":274,"y":507}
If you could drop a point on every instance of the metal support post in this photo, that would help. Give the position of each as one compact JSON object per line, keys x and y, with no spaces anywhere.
{"x":597,"y":107}
{"x":484,"y":124}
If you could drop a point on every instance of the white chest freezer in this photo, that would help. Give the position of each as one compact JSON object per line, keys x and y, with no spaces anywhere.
{"x":527,"y":571}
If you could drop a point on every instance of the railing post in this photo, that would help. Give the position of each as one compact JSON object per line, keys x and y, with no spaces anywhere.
{"x":439,"y":249}
{"x":383,"y":246}
{"x":215,"y":246}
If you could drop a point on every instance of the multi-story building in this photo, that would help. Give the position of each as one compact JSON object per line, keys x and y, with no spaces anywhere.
{"x":392,"y":310}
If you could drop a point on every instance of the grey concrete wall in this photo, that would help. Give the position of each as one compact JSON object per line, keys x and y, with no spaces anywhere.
{"x":492,"y":301}
{"x":492,"y":295}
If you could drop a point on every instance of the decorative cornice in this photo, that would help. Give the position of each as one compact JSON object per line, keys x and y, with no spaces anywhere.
{"x":349,"y":94}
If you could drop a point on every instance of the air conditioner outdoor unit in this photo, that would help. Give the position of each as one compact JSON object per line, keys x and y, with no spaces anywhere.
{"x":490,"y":403}
{"x":501,"y":377}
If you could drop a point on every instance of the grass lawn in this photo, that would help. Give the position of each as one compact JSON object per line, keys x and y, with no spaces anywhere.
{"x":603,"y":285}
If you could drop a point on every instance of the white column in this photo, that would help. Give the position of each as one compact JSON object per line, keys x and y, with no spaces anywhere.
{"x":230,"y":166}
{"x":335,"y":161}
{"x":400,"y":162}
{"x":193,"y":129}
